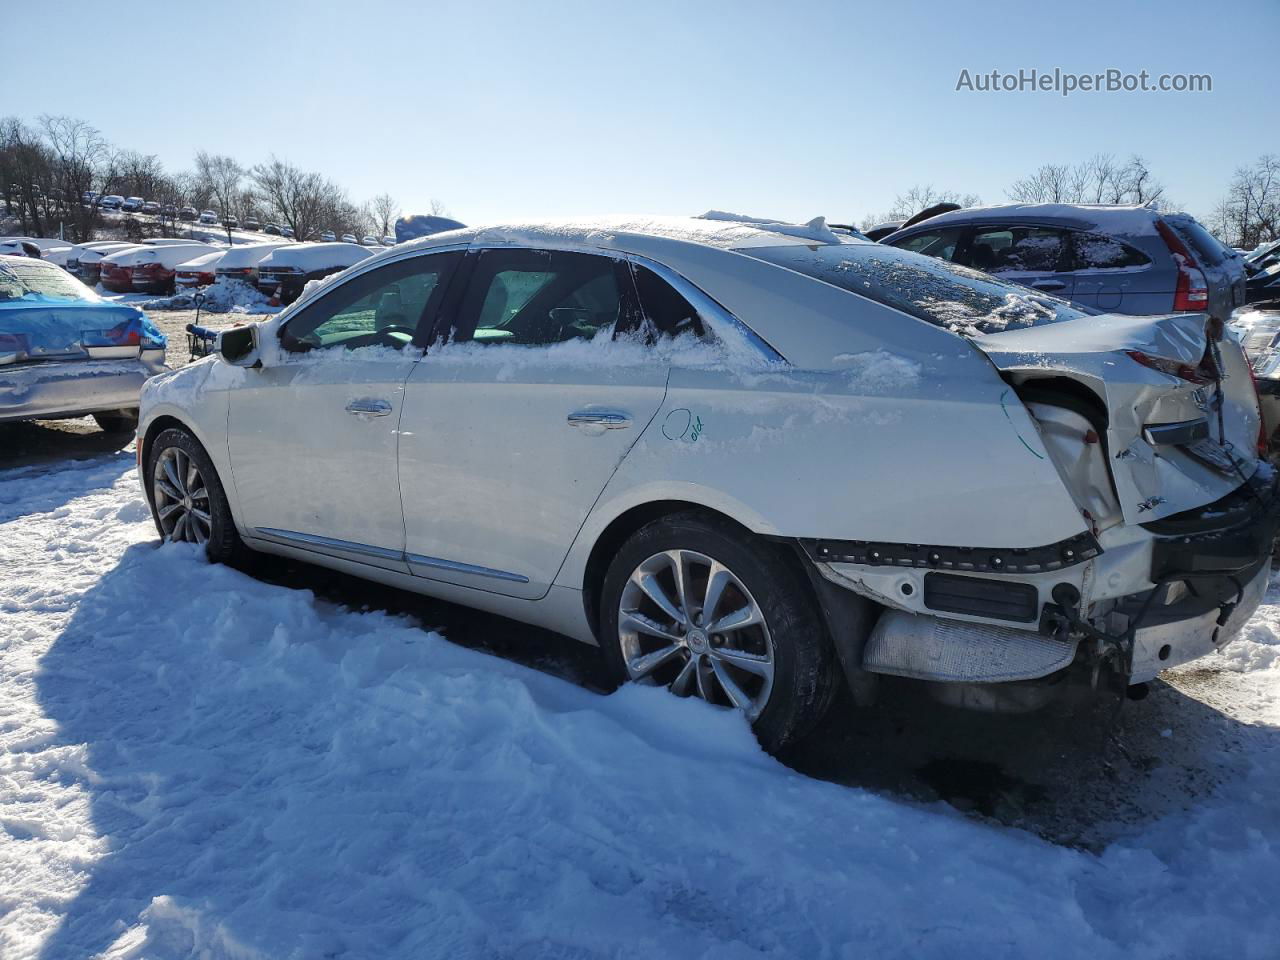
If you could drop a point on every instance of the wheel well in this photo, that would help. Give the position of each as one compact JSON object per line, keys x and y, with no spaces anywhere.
{"x":153,"y":430}
{"x":620,"y":529}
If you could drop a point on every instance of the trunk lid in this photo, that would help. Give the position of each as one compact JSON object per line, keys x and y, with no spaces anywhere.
{"x":40,"y":332}
{"x":1170,"y":441}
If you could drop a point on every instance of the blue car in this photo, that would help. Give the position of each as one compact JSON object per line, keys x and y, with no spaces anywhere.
{"x":65,"y":352}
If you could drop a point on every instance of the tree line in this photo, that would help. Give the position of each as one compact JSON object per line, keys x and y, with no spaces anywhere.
{"x":46,"y":167}
{"x":1247,"y":215}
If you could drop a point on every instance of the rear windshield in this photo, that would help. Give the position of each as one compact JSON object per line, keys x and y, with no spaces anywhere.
{"x":22,"y":278}
{"x":1208,"y":248}
{"x":962,"y":300}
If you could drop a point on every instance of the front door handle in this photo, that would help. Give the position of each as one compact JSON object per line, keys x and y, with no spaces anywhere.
{"x":600,"y":419}
{"x":369,"y":408}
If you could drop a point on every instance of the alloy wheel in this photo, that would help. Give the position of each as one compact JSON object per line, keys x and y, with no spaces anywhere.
{"x":181,"y":497}
{"x":685,"y":620}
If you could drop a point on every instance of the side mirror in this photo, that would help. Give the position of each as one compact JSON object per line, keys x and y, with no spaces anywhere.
{"x":238,"y":346}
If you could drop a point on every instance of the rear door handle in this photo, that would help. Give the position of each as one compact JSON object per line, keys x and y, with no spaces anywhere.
{"x":369,"y":408}
{"x":1048,"y":285}
{"x":601,"y":419}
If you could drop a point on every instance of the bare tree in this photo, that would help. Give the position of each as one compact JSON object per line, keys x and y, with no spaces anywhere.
{"x":305,"y":202}
{"x":1100,"y":179}
{"x":383,"y":210}
{"x":79,"y":152}
{"x":223,"y":177}
{"x":438,"y":209}
{"x":1250,"y":212}
{"x":917,"y":198}
{"x":25,"y":167}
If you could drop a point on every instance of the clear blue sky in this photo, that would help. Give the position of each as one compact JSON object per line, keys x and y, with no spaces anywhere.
{"x":520,"y":109}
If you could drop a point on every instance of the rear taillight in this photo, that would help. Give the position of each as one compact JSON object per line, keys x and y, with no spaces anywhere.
{"x":1192,"y":291}
{"x":1183,"y":371}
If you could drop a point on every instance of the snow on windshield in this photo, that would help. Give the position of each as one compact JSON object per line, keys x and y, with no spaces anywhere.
{"x":964,"y":301}
{"x":24,"y":279}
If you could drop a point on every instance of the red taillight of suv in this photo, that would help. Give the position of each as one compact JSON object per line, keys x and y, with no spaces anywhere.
{"x":1192,"y":291}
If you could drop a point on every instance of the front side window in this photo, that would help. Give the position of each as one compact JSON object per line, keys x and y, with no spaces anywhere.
{"x":1018,"y":249}
{"x":383,"y":307}
{"x":940,"y":243}
{"x":539,"y":297}
{"x":945,"y":294}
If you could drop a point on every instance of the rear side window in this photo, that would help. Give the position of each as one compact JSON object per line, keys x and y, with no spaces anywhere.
{"x":537,"y":297}
{"x":1097,"y":251}
{"x":1017,"y":249}
{"x":934,"y":243}
{"x":957,"y":298}
{"x":665,"y":312}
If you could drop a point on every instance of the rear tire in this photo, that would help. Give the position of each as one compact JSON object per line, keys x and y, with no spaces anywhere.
{"x":123,"y":421}
{"x":187,"y":499}
{"x":770,"y":656}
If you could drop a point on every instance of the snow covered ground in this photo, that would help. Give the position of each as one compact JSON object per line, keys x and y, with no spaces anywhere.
{"x":196,"y":763}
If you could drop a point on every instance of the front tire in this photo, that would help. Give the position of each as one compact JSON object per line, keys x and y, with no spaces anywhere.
{"x":695,"y":605}
{"x":187,"y":499}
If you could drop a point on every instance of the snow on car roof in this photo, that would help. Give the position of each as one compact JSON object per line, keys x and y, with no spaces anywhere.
{"x":316,"y":255}
{"x":248,"y":255}
{"x":169,"y":256}
{"x":204,"y":260}
{"x":715,"y":229}
{"x":1128,"y":219}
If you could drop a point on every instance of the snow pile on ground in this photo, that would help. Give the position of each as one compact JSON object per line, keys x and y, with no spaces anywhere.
{"x":224,"y":295}
{"x":198,"y":764}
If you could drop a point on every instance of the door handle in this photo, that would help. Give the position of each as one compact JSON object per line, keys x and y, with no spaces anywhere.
{"x":369,"y":408}
{"x":1048,"y":285}
{"x":603,"y":419}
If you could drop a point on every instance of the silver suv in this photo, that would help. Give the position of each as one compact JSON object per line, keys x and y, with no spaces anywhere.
{"x":1118,"y":259}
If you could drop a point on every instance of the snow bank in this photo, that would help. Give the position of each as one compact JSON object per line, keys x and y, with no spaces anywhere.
{"x":225,"y":295}
{"x":196,"y":763}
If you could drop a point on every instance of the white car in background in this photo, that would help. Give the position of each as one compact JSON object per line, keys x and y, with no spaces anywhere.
{"x":290,"y":267}
{"x":747,"y":459}
{"x":197,"y":272}
{"x":209,"y":218}
{"x":51,"y":248}
{"x":241,"y":262}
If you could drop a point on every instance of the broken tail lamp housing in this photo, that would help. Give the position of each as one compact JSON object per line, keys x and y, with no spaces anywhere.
{"x":1054,"y":556}
{"x":135,"y":332}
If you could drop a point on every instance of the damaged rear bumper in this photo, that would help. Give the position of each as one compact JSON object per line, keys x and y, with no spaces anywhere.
{"x":1196,"y":578}
{"x":60,"y":389}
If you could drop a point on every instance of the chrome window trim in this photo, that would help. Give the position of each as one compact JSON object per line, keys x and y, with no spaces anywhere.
{"x":720,"y":320}
{"x":360,"y":269}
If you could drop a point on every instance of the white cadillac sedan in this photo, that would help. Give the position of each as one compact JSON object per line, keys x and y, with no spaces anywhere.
{"x":749,"y":460}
